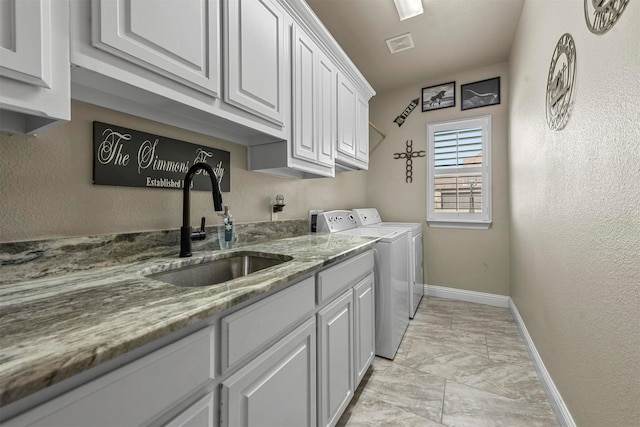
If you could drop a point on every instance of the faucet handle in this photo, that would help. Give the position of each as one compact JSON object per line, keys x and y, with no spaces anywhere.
{"x":199,"y":235}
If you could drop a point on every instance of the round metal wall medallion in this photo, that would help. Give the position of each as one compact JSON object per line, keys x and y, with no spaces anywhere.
{"x":561,"y":82}
{"x":601,"y":15}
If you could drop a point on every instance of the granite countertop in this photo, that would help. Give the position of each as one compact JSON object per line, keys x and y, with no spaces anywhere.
{"x":53,"y":328}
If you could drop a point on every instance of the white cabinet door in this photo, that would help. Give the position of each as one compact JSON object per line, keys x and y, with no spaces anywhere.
{"x":256,"y":58}
{"x":327,"y":134}
{"x":365,"y":334}
{"x":25,"y":43}
{"x":304,"y":96}
{"x":362,"y":130}
{"x":178,"y":39}
{"x":314,"y":101}
{"x":278,"y":387}
{"x":34,"y":64}
{"x":336,"y":362}
{"x":346,"y":117}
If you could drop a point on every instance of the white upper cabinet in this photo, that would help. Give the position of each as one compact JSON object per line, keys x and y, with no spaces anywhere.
{"x":34,"y":65}
{"x":178,"y":39}
{"x":163,"y":60}
{"x":314,"y":104}
{"x":255,"y":56}
{"x":310,"y":151}
{"x":353,"y":127}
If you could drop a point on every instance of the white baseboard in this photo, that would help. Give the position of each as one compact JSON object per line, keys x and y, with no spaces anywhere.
{"x":558,"y":405}
{"x":468,"y":296}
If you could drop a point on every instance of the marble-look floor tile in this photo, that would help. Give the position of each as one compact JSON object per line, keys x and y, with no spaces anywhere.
{"x":468,"y":406}
{"x":483,"y":325}
{"x":508,"y":348}
{"x":390,"y":394}
{"x":443,"y":359}
{"x":434,"y":319}
{"x":490,"y":380}
{"x":379,"y":413}
{"x":469,"y":342}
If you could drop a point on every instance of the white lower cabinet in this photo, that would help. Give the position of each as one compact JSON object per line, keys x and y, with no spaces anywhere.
{"x":137,"y":392}
{"x":336,"y":366}
{"x":293,"y":358}
{"x":278,"y":387}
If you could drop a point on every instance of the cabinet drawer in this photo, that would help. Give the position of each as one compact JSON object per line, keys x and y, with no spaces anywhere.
{"x":278,"y":388}
{"x":248,"y":329}
{"x":335,"y":279}
{"x":134,"y":393}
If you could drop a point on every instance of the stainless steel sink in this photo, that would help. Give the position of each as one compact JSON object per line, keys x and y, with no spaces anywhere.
{"x":209,"y":273}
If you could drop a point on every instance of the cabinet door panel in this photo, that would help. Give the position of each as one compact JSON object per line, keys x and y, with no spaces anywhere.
{"x":177,"y":39}
{"x":278,"y":387}
{"x":304,"y":96}
{"x":25,"y":41}
{"x":34,"y":65}
{"x":336,"y":370}
{"x":365,"y":321}
{"x":327,"y":135}
{"x":362,"y":130}
{"x":346,"y":117}
{"x":255,"y":53}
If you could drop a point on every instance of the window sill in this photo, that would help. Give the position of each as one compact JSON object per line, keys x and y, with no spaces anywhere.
{"x":474,"y":225}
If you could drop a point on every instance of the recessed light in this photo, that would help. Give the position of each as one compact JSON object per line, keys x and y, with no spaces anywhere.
{"x":408,"y":8}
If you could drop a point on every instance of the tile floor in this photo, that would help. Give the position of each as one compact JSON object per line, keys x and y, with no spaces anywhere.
{"x":459,"y":364}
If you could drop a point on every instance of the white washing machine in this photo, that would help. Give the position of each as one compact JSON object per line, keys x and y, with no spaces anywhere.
{"x":370,"y":217}
{"x":391,"y":275}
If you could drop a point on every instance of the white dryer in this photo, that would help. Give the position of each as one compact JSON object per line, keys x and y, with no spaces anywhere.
{"x":370,"y":217}
{"x":391,"y":260}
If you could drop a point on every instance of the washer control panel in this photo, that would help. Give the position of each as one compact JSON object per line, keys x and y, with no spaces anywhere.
{"x":335,"y":221}
{"x":367,"y":216}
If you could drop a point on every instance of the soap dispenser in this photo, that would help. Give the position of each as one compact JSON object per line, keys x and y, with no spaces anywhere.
{"x":225,"y":236}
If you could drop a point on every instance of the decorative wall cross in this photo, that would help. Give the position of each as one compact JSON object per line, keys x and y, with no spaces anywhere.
{"x":409,"y":154}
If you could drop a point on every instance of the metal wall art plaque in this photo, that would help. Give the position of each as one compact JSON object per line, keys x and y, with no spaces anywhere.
{"x":402,"y":117}
{"x":130,"y":158}
{"x":601,"y":15}
{"x":561,"y":83}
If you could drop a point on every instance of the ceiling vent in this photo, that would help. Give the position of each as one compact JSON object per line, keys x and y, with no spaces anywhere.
{"x":400,"y":43}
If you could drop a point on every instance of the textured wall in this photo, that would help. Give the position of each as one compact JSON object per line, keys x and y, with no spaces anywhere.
{"x":46,"y":185}
{"x":476,"y":260}
{"x":575,"y":211}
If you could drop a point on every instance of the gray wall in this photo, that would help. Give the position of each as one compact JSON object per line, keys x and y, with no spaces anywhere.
{"x":476,"y":260}
{"x":575,"y":211}
{"x":46,"y":185}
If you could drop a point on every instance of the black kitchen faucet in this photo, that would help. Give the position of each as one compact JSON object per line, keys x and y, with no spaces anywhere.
{"x":186,"y":234}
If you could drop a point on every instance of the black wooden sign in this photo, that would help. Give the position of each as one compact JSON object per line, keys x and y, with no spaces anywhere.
{"x":131,"y":158}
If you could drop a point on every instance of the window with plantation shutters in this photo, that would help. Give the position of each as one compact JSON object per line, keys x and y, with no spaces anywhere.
{"x":459,"y":173}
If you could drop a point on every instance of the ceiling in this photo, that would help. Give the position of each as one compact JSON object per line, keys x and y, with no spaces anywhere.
{"x":449,"y":37}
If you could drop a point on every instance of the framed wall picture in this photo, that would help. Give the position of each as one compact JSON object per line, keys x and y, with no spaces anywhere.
{"x":439,"y":96}
{"x":480,"y":94}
